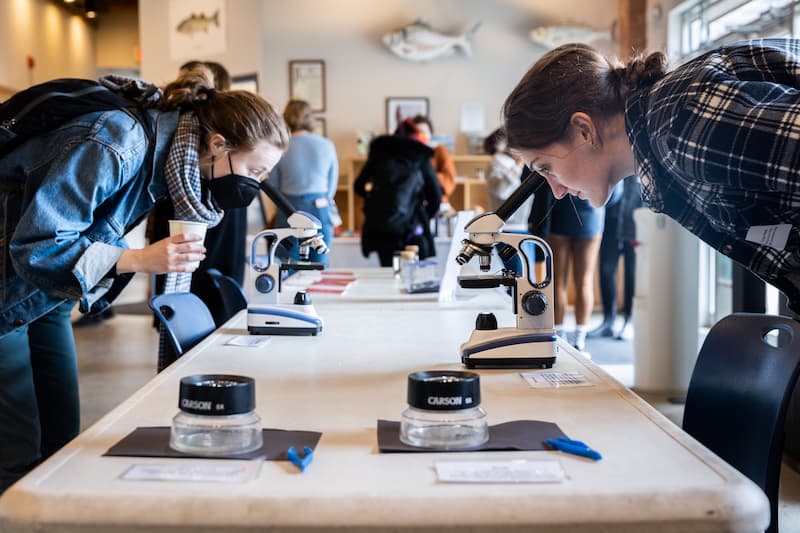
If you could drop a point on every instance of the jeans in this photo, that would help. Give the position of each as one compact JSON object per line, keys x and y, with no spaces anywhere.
{"x":39,"y":405}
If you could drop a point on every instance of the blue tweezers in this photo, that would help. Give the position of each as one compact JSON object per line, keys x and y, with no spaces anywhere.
{"x":300,"y":462}
{"x":575,"y":447}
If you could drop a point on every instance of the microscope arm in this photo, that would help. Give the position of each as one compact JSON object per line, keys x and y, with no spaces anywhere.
{"x":299,"y":220}
{"x":278,"y":198}
{"x":518,"y":197}
{"x":483,"y":227}
{"x":493,"y":221}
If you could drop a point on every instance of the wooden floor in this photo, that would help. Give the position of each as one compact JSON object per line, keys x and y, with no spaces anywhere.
{"x":118,"y":356}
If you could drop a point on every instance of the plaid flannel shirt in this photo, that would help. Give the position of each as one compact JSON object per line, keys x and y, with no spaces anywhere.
{"x":717,"y":146}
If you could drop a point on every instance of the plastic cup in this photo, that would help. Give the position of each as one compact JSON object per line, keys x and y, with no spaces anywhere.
{"x":188,"y":227}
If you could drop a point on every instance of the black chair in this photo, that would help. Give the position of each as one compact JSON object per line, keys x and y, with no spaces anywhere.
{"x":738,"y":395}
{"x":185,"y":318}
{"x":231,"y":293}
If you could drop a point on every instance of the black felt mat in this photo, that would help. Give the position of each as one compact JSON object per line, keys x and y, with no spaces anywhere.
{"x":154,"y":442}
{"x":516,"y":435}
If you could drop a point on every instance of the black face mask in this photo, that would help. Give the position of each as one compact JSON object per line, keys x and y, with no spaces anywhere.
{"x":232,"y":190}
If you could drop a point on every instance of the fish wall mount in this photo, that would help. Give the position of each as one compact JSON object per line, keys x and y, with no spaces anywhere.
{"x":419,"y":42}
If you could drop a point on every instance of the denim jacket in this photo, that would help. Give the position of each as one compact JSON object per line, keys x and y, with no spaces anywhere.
{"x":67,"y":198}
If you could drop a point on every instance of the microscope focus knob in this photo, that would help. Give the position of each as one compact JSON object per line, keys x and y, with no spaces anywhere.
{"x":302,"y":298}
{"x":534,"y":303}
{"x":486,"y":321}
{"x":265,"y":283}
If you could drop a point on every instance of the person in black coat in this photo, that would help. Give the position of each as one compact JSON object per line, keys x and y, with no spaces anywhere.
{"x":401,"y":194}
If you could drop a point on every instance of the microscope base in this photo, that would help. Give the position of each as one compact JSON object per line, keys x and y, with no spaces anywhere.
{"x":276,"y":319}
{"x":509,"y":348}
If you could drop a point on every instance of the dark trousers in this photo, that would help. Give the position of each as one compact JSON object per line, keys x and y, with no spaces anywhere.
{"x":385,"y":256}
{"x":610,"y":249}
{"x":39,"y":405}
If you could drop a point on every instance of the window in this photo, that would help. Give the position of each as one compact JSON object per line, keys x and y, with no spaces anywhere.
{"x":700,"y":25}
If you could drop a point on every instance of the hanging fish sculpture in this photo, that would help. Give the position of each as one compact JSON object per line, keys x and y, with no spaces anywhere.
{"x":419,"y":42}
{"x":555,"y":36}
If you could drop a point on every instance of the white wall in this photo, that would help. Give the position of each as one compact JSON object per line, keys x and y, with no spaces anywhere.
{"x":117,"y":38}
{"x":244,"y":46}
{"x":264,"y":35}
{"x":61,"y":44}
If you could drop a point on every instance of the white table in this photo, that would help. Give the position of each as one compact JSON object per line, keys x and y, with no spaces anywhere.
{"x":378,"y":287}
{"x":653,"y":476}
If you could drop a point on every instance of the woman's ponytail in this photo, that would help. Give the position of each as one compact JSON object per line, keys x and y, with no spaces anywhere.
{"x":637,"y":73}
{"x":191,"y":87}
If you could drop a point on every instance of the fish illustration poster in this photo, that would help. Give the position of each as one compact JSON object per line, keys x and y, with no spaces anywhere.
{"x":197,"y":28}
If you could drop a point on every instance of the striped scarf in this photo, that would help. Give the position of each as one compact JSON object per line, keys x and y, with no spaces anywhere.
{"x":183,"y":183}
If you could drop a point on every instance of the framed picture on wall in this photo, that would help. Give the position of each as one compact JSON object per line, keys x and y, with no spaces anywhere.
{"x":307,"y":82}
{"x":245,"y":82}
{"x":319,"y":126}
{"x":198,"y":28}
{"x":399,"y":108}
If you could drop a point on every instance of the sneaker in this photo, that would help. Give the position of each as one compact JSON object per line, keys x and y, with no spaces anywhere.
{"x":626,"y":332}
{"x":579,"y":341}
{"x":605,"y":329}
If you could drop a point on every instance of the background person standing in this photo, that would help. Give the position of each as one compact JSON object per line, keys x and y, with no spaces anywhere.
{"x":308,"y":174}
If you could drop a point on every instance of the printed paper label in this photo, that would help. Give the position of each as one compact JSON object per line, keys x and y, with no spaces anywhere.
{"x":250,"y":341}
{"x":230,"y":472}
{"x":773,"y":236}
{"x":519,"y":471}
{"x":548,"y":380}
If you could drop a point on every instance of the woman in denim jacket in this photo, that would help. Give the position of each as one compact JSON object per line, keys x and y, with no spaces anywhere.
{"x":68,"y":197}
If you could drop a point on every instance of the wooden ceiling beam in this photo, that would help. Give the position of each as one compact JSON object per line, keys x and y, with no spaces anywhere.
{"x":632,"y":27}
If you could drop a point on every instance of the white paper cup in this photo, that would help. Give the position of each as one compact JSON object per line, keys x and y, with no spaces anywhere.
{"x":188,"y":227}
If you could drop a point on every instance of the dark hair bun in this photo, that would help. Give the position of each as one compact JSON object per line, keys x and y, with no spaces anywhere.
{"x":190,"y":88}
{"x":639,"y":72}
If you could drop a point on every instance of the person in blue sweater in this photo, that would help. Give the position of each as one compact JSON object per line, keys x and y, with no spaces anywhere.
{"x":308,"y":173}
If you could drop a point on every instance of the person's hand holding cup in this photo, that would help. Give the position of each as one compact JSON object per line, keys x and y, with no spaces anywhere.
{"x":188,"y":231}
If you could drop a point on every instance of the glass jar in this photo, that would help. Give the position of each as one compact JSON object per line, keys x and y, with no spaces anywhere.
{"x":216,"y":417}
{"x":444,"y":411}
{"x":414,"y":249}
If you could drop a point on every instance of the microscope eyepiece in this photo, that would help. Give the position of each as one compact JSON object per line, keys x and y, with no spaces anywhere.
{"x":463,"y":258}
{"x":468,"y":250}
{"x":318,"y":243}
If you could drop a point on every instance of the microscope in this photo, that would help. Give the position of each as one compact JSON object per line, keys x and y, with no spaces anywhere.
{"x":266,"y":315}
{"x":532,"y":343}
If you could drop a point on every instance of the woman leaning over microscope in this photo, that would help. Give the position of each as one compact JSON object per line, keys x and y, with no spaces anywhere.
{"x":86,"y":184}
{"x":716,"y":142}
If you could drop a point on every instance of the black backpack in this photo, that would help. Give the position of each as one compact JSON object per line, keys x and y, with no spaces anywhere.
{"x":394,"y":198}
{"x":41,"y":108}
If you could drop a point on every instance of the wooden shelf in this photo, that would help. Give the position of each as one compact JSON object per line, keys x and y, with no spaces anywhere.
{"x":470,"y":188}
